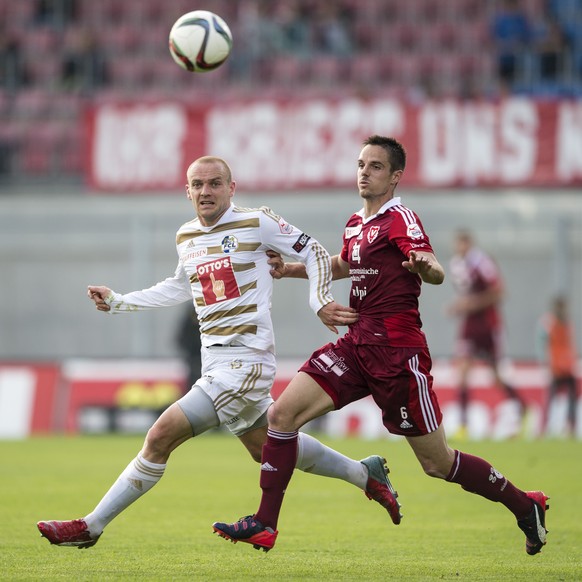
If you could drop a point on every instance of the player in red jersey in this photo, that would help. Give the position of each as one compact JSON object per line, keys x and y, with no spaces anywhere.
{"x":384,"y":354}
{"x":479,"y":286}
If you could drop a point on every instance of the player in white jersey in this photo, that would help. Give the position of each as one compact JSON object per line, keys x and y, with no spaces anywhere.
{"x":223,"y":267}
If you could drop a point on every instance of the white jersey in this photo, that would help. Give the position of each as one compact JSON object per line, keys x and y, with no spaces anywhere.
{"x":223,"y":268}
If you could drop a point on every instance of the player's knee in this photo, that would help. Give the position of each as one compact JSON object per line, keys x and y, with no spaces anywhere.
{"x":256,"y":454}
{"x":157,"y":442}
{"x":279,"y":418}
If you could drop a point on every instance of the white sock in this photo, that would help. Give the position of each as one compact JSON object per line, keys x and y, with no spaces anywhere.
{"x":314,"y":457}
{"x":137,"y":478}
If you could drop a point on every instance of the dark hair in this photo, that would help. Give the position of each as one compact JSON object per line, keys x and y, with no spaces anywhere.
{"x":394,"y":149}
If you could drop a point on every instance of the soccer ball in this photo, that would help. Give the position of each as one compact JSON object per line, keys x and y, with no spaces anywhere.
{"x":200,"y":41}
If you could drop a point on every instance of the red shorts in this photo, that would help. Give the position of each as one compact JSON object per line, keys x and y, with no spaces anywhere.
{"x":485,"y":344}
{"x":398,"y":379}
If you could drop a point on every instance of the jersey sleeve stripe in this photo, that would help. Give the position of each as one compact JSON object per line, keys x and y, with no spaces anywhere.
{"x":324,"y":266}
{"x":406,"y":213}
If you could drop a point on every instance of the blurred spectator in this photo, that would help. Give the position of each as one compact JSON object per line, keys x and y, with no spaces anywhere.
{"x":479,"y":287}
{"x":259,"y":39}
{"x":551,"y":49}
{"x":556,"y":347}
{"x":57,"y":13}
{"x":511,"y":34}
{"x":12,"y":70}
{"x":83,"y":63}
{"x":295,"y":33}
{"x":332,"y":35}
{"x":188,"y":341}
{"x":565,"y":11}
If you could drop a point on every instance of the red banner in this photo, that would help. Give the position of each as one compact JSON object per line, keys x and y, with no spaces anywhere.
{"x":98,"y":396}
{"x":28,"y":398}
{"x":119,"y":395}
{"x":313,"y":143}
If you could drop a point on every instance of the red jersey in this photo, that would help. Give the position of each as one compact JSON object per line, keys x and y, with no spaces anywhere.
{"x":474,"y":273}
{"x":383,"y":292}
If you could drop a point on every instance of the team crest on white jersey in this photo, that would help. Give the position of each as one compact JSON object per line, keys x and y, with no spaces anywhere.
{"x":373,"y":233}
{"x":229,"y":244}
{"x":414,"y":231}
{"x":285,"y":227}
{"x":353,"y":231}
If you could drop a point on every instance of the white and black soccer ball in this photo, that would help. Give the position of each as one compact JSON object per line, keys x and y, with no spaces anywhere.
{"x":200,"y":41}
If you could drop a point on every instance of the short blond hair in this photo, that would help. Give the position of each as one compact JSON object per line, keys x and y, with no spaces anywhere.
{"x":212,"y":160}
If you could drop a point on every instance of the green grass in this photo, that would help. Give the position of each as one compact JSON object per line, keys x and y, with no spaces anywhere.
{"x":328,"y":529}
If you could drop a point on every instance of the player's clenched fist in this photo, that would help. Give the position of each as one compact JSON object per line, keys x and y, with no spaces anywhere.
{"x":99,"y":295}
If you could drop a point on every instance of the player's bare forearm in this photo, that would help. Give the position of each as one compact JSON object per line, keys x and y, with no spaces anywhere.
{"x":280,"y":269}
{"x":295,"y":271}
{"x":426,"y":266}
{"x":339,"y":268}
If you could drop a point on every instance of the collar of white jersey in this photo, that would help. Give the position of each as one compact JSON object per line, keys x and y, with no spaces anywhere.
{"x":392,"y":202}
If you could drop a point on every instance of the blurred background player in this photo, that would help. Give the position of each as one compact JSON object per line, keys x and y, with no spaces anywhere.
{"x":479,"y":287}
{"x":189,"y":344}
{"x":557,"y":348}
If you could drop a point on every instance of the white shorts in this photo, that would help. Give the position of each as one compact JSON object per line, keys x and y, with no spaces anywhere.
{"x":238,"y":380}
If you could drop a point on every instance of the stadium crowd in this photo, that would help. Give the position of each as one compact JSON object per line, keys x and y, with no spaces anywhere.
{"x":58,"y":55}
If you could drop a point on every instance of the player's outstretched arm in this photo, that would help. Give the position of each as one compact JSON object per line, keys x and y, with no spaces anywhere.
{"x":281,"y":269}
{"x":426,"y":266}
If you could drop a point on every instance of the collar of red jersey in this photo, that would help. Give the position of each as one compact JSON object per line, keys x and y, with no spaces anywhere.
{"x":392,"y":202}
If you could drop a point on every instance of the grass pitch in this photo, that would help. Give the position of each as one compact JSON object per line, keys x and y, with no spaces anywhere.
{"x":328,"y":529}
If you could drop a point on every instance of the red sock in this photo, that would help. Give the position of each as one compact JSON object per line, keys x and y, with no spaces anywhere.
{"x":277,"y":463}
{"x":478,"y":476}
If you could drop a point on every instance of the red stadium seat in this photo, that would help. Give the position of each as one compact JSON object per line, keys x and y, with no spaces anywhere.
{"x":365,"y":71}
{"x":325,"y":70}
{"x":43,"y":72}
{"x":129,"y":73}
{"x":32,"y":103}
{"x":17,"y":13}
{"x":285,"y":71}
{"x":119,"y":40}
